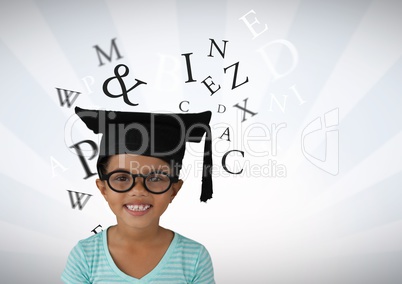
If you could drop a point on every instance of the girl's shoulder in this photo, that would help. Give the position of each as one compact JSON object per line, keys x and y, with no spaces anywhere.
{"x":187,"y":244}
{"x":91,"y":242}
{"x":185,"y":240}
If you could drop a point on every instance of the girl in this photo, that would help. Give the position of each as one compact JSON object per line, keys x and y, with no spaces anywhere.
{"x":138,"y":166}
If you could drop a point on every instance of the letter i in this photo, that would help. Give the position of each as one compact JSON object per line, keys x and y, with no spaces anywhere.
{"x":188,"y":64}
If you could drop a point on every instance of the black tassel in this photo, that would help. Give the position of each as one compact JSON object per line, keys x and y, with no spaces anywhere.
{"x":206,"y":189}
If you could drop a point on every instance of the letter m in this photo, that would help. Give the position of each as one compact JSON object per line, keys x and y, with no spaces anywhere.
{"x":80,"y":199}
{"x":100,"y":52}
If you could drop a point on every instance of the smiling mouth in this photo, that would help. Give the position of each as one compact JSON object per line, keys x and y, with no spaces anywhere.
{"x":138,"y":208}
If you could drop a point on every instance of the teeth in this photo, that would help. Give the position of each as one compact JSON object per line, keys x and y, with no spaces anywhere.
{"x":138,"y":207}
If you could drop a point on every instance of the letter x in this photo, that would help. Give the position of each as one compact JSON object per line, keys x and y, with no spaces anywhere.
{"x":245,"y":110}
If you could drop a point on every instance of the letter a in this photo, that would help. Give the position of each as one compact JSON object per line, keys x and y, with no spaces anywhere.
{"x":226,"y":133}
{"x":56,"y":164}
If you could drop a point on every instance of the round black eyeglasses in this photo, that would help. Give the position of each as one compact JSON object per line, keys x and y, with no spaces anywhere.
{"x":154,"y":182}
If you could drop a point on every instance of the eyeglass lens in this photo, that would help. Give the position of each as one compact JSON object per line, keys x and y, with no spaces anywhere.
{"x":156,"y":182}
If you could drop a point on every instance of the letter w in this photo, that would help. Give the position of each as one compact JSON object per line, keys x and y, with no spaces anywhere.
{"x":78,"y":196}
{"x":66,"y":98}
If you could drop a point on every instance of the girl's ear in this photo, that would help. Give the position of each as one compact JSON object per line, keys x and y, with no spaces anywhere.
{"x":102,"y":187}
{"x":176,"y":187}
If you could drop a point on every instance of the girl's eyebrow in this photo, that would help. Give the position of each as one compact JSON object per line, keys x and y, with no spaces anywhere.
{"x":148,"y":170}
{"x":120,"y":169}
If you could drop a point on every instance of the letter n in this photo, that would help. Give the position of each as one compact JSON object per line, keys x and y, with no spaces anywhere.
{"x":79,"y":196}
{"x":101,"y":53}
{"x":213,"y":43}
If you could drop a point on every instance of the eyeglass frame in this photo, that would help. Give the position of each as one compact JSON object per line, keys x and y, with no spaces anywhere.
{"x":172,"y":179}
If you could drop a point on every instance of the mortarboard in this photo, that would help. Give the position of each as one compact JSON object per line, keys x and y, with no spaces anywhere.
{"x":160,"y":135}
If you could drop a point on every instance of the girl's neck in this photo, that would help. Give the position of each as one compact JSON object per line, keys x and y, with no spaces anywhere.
{"x":143,"y":236}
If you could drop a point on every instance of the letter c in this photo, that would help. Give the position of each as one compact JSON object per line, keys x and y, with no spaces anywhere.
{"x":181,"y":104}
{"x":224,"y":161}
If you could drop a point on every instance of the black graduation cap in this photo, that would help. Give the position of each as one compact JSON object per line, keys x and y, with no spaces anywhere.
{"x":160,"y":135}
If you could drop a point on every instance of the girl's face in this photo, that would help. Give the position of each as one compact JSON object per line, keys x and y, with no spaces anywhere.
{"x":137,"y":208}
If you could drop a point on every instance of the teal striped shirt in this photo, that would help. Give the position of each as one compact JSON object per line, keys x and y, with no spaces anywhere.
{"x":185,"y":261}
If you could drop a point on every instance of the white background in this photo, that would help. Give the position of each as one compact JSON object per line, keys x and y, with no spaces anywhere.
{"x":338,"y":220}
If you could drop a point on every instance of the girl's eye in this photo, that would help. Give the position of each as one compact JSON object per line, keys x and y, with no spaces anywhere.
{"x":121,"y":178}
{"x":154,"y":179}
{"x":157,"y":178}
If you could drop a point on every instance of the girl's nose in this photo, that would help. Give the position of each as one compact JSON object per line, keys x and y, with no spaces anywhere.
{"x":139,"y":187}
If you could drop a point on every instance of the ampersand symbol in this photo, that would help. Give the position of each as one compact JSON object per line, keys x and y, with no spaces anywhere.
{"x":119,"y":77}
